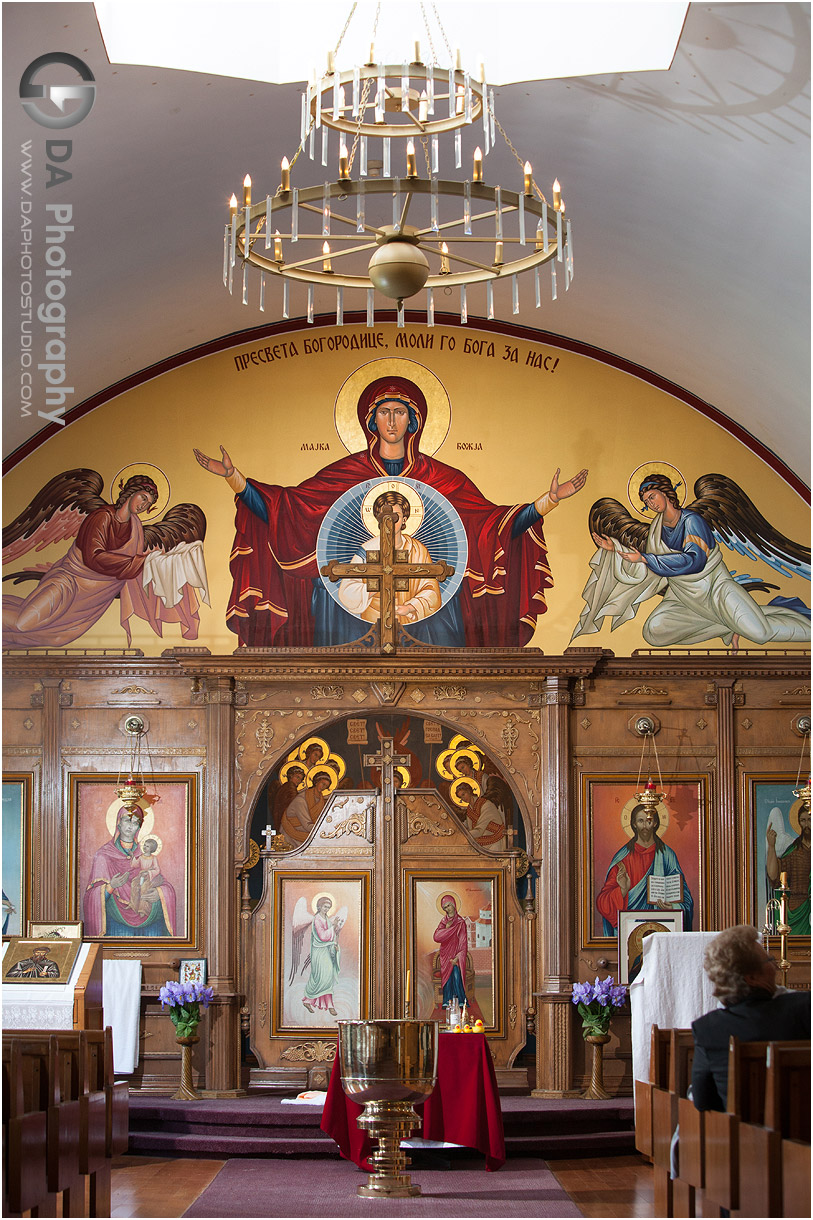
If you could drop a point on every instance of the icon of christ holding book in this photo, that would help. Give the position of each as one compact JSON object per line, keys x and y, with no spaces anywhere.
{"x":644,"y":875}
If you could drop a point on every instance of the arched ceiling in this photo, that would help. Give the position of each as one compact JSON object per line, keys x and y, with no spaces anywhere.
{"x":688,"y":189}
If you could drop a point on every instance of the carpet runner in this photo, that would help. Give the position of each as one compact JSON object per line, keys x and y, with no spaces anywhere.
{"x":524,"y":1187}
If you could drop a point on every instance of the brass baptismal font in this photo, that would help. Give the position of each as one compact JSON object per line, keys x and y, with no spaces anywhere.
{"x":387,"y":1066}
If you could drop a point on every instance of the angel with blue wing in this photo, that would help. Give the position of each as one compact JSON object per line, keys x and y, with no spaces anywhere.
{"x":678,"y":555}
{"x":324,"y":957}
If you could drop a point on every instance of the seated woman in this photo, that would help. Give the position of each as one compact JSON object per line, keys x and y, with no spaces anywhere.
{"x":754,"y":1009}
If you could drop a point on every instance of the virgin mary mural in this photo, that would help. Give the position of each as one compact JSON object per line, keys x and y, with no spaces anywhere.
{"x":277,"y":596}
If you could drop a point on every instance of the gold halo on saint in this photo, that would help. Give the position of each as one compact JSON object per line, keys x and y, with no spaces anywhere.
{"x":637,"y":937}
{"x":626,"y":816}
{"x":157,"y":840}
{"x":471,"y":755}
{"x":146,"y":826}
{"x":317,"y":897}
{"x":438,"y":407}
{"x":313,"y":741}
{"x":336,"y":763}
{"x":793,"y":816}
{"x":472,"y":783}
{"x":416,"y":508}
{"x":461,"y":742}
{"x":158,"y":477}
{"x":404,"y":773}
{"x":637,"y":477}
{"x":323,"y":769}
{"x":285,"y":770}
{"x":443,"y":894}
{"x":442,"y":764}
{"x":253,"y":854}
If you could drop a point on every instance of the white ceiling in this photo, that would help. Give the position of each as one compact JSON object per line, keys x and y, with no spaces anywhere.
{"x":688,"y":190}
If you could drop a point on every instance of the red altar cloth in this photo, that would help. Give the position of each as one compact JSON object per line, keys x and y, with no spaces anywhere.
{"x":463,"y":1109}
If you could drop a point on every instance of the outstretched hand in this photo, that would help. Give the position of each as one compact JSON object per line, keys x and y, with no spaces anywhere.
{"x":562,"y":491}
{"x":224,"y":468}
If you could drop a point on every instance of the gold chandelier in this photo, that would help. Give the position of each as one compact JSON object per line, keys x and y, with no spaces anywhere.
{"x":393,"y":224}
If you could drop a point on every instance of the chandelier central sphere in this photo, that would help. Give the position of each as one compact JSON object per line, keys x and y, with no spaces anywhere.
{"x":399,"y":268}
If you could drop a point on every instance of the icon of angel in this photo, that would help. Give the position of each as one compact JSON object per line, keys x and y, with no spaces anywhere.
{"x":676,"y":551}
{"x":324,"y":955}
{"x":156,"y":568}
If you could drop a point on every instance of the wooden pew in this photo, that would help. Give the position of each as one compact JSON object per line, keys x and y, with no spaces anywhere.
{"x":742,"y":1168}
{"x":26,"y":1131}
{"x":785,"y":1119}
{"x":66,"y":1111}
{"x":677,"y":1064}
{"x":658,"y":1078}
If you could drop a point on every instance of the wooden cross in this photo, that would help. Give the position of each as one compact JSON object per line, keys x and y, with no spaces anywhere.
{"x":387,"y":572}
{"x":387,"y":761}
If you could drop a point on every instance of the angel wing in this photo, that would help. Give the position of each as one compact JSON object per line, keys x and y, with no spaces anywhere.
{"x":181,"y":523}
{"x":300,"y":924}
{"x":610,"y":519}
{"x":784,"y":838}
{"x":55,"y":513}
{"x":736,"y":522}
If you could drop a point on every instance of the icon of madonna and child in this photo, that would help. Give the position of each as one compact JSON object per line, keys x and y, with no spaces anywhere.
{"x":126,"y":894}
{"x":286,"y":535}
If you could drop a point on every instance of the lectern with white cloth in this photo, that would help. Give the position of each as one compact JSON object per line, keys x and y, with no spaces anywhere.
{"x":671,"y":990}
{"x":72,"y":1004}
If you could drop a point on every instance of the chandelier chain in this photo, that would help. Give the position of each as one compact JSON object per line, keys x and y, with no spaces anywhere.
{"x":520,"y":161}
{"x":443,"y":32}
{"x":365,"y":93}
{"x":353,"y":8}
{"x":434,"y":59}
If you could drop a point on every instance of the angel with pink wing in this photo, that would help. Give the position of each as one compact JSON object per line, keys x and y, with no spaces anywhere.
{"x":156,"y":569}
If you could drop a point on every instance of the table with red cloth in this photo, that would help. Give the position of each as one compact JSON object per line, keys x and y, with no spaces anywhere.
{"x":463,"y":1109}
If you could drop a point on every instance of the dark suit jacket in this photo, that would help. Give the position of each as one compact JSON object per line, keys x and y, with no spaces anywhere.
{"x":760,"y":1018}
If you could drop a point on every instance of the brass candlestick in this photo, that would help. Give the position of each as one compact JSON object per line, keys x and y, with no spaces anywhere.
{"x":387,"y":1066}
{"x":783,"y":927}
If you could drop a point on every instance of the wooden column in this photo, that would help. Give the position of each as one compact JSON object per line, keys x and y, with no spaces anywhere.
{"x":554,"y":1025}
{"x":49,"y":898}
{"x":724,"y":900}
{"x":218,"y":893}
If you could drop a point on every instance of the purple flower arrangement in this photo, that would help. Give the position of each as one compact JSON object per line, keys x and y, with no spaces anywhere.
{"x":184,"y":1001}
{"x":597,"y":1002}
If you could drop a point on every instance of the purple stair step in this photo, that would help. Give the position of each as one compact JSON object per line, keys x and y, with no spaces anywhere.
{"x":600,"y":1142}
{"x":227,"y":1146}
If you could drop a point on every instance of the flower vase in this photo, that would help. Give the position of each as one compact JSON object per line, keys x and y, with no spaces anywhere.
{"x":186,"y":1091}
{"x":595,"y":1090}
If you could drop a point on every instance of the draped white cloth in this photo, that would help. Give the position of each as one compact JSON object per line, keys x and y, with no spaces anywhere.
{"x":169,"y":572}
{"x":121,"y":1000}
{"x":671,"y":990}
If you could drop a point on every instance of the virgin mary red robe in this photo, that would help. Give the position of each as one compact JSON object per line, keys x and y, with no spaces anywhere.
{"x":273,"y":563}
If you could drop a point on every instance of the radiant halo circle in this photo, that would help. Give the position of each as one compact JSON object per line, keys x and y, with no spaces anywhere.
{"x":158,"y":477}
{"x":471,"y":755}
{"x":146,"y":826}
{"x":416,"y":507}
{"x":457,"y":784}
{"x":286,"y":768}
{"x":438,"y":406}
{"x":342,"y":535}
{"x":443,"y":894}
{"x":640,"y":473}
{"x":322,"y":894}
{"x":626,"y":817}
{"x":793,"y":815}
{"x":404,"y":773}
{"x":323,"y":769}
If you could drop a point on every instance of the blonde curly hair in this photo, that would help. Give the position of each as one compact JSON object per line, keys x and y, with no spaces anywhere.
{"x":729,"y":957}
